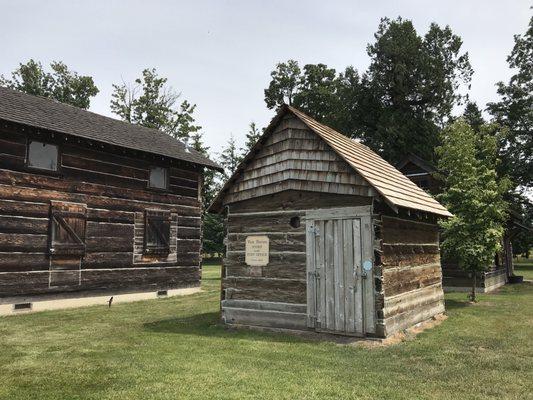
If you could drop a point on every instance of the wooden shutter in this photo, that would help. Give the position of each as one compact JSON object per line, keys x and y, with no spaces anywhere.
{"x":157,"y":232}
{"x":67,"y":228}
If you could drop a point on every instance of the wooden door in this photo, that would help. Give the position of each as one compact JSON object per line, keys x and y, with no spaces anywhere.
{"x":340,"y":296}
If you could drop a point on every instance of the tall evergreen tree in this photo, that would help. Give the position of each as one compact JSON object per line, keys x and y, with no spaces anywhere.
{"x":60,"y":84}
{"x":472,"y":115}
{"x":252,"y":136}
{"x":399,"y":105}
{"x":515,"y":111}
{"x":230,"y":157}
{"x":415,"y":82}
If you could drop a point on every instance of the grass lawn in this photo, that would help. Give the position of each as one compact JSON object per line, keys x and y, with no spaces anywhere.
{"x":524,"y":266}
{"x":174,"y":349}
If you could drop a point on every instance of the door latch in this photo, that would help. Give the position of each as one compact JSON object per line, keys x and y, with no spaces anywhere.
{"x":314,"y":230}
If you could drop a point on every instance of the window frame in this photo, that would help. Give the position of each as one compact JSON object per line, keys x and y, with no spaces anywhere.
{"x":57,"y":171}
{"x":167,"y":179}
{"x":157,"y":215}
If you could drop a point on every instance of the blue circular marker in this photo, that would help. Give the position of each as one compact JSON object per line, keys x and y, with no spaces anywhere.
{"x":367,"y":265}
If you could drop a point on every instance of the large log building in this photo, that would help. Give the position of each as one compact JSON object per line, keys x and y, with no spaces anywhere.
{"x":323,"y":234}
{"x":92,"y":207}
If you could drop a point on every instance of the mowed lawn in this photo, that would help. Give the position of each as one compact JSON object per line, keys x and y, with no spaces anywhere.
{"x":175,"y":349}
{"x":524,"y":267}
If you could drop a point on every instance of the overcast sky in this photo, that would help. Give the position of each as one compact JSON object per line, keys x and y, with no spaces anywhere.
{"x":219,"y":54}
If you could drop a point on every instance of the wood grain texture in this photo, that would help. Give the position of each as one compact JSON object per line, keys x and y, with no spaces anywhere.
{"x":113,"y":187}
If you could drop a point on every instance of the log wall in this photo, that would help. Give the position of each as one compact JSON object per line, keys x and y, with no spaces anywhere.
{"x":274,"y":295}
{"x":409,"y":283}
{"x":113,"y":185}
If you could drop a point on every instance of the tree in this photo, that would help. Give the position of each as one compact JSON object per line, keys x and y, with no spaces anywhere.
{"x":515,"y":111}
{"x":313,"y":89}
{"x":473,"y":117}
{"x":284,"y":83}
{"x":152,"y":103}
{"x":252,"y":137}
{"x":473,"y":194}
{"x":415,"y":81}
{"x":399,"y":105}
{"x":230,"y":158}
{"x":60,"y":84}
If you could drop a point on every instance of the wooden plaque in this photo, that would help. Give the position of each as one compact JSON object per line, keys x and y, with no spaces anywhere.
{"x":257,"y":249}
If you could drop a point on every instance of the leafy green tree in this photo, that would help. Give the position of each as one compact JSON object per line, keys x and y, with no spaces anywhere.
{"x":152,"y":103}
{"x":284,"y":84}
{"x":60,"y":84}
{"x":473,"y":194}
{"x":515,"y":111}
{"x":317,"y":94}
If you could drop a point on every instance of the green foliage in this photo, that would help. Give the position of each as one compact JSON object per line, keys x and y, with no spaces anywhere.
{"x":284,"y":83}
{"x":473,"y":117}
{"x":152,"y":103}
{"x":60,"y":84}
{"x":230,"y":158}
{"x":474,"y":194}
{"x":399,"y":105}
{"x":213,"y":240}
{"x":515,"y":111}
{"x":252,"y":137}
{"x":414,"y":82}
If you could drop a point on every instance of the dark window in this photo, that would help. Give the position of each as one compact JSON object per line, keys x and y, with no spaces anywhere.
{"x":67,"y":230}
{"x":42,"y":156}
{"x":158,"y":178}
{"x":157,"y":232}
{"x":295,"y":222}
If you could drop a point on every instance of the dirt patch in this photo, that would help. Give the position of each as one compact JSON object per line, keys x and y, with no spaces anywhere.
{"x":408,"y":334}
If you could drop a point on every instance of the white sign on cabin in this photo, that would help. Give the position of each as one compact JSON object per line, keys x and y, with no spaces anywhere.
{"x":256,"y":251}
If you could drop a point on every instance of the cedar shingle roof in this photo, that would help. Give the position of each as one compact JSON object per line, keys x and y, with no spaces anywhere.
{"x":43,"y":113}
{"x":396,"y":189}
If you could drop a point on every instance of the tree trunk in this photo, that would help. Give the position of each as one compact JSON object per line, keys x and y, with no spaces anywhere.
{"x":473,"y":293}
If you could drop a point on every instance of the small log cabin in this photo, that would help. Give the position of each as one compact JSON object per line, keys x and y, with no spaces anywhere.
{"x":322,"y":234}
{"x":92,"y":207}
{"x":454,"y":278}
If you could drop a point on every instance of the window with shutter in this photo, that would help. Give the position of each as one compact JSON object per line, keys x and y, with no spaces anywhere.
{"x":157,"y":232}
{"x":67,"y":228}
{"x":42,"y":156}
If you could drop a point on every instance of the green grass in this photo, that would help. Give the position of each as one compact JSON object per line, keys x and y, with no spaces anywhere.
{"x":524,"y":267}
{"x":175,"y":349}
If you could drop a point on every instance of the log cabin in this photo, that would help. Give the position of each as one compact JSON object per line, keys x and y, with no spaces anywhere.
{"x":93,"y":208}
{"x":324,"y":235}
{"x":454,"y":278}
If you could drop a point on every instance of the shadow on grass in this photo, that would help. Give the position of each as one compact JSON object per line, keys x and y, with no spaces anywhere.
{"x":451,"y":304}
{"x":209,"y":325}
